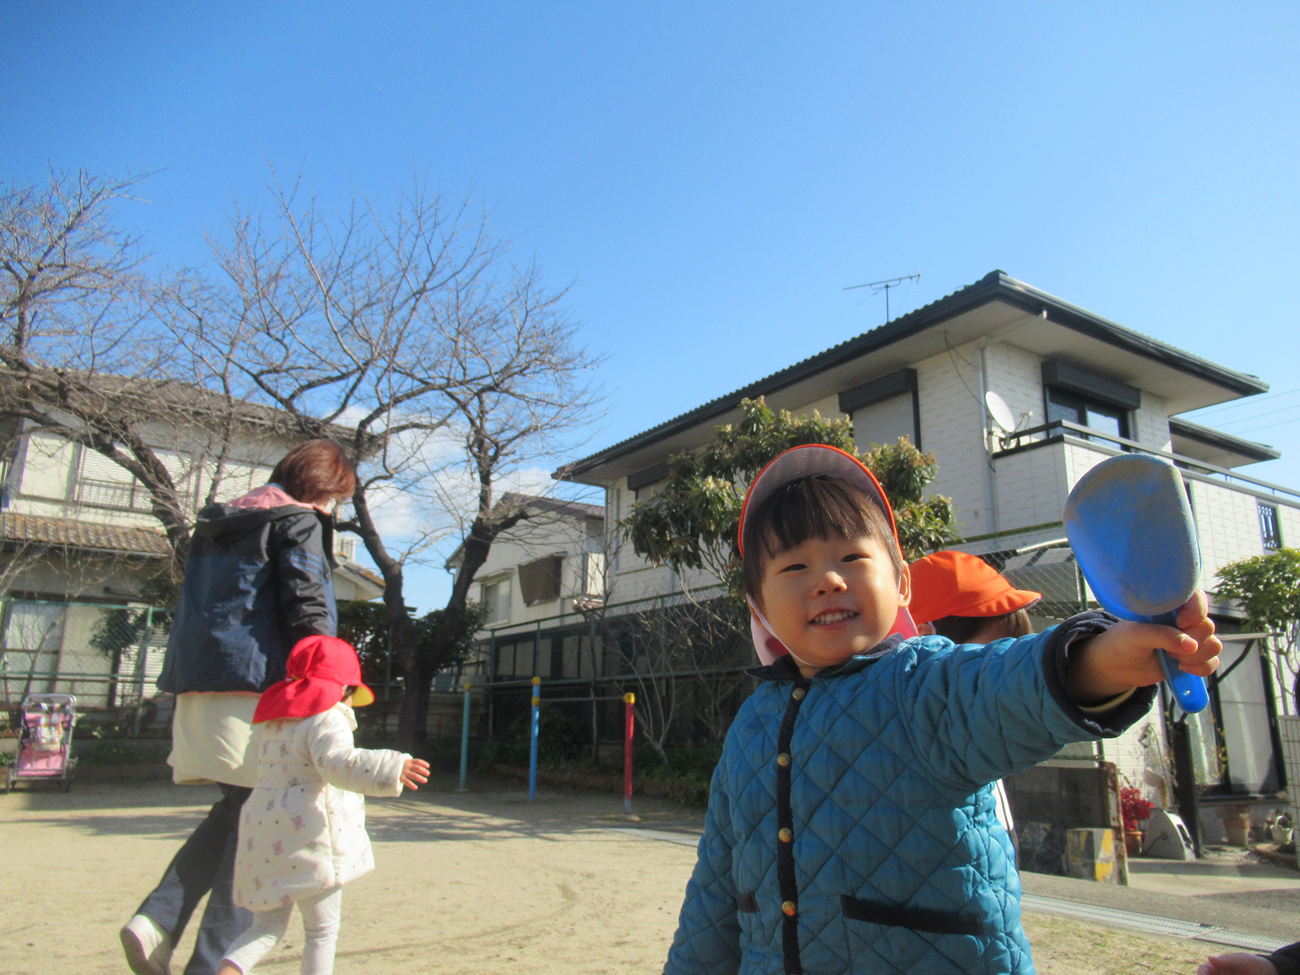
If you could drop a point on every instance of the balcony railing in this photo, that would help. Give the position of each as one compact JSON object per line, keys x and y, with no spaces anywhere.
{"x":1065,"y":430}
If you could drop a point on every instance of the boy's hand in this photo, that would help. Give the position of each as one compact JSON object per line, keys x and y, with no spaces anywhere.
{"x":414,"y":770}
{"x":1125,"y":655}
{"x":1237,"y":964}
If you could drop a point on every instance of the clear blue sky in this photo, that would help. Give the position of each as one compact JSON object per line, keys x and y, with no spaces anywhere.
{"x":710,"y":176}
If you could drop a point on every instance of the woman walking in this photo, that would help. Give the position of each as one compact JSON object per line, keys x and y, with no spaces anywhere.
{"x":258,"y":579}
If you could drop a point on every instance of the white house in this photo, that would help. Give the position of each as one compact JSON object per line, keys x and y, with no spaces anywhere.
{"x":550,"y":566}
{"x":1080,"y":388}
{"x":78,"y":541}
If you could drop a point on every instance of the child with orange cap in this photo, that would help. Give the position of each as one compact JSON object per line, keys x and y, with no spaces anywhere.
{"x":302,"y":833}
{"x":965,"y":599}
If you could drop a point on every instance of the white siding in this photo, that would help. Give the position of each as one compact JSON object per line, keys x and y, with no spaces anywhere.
{"x":1227,"y":523}
{"x":951,"y":421}
{"x":1031,"y":486}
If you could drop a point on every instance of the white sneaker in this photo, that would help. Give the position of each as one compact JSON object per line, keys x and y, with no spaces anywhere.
{"x":148,"y":949}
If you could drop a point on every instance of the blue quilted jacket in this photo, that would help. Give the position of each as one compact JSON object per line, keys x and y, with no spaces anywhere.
{"x":851,"y":823}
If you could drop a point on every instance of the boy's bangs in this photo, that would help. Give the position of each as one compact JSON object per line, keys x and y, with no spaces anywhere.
{"x":811,"y":507}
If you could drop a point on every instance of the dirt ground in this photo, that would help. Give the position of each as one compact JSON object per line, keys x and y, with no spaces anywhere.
{"x":478,"y":884}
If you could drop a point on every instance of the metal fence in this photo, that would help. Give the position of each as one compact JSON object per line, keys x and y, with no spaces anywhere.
{"x":107,"y":655}
{"x":683,"y":654}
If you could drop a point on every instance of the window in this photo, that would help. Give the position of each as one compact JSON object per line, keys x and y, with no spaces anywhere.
{"x":101,"y":483}
{"x":539,"y":580}
{"x":884,"y":409}
{"x":1232,"y":747}
{"x":496,"y":600}
{"x":1269,"y":527}
{"x":1102,"y":417}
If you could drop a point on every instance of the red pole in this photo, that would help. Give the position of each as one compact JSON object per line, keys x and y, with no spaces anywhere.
{"x":628,"y":699}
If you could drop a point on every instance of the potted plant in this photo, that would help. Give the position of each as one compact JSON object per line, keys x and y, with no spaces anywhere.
{"x":1236,"y":823}
{"x":1135,"y":809}
{"x":1281,"y":829}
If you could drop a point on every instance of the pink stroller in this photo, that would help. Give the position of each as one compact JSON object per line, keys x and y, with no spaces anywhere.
{"x":45,"y":740}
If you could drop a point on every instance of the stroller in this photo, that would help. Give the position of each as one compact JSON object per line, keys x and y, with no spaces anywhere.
{"x":45,"y":740}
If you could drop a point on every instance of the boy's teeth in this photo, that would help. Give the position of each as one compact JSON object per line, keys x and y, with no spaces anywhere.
{"x":834,"y":617}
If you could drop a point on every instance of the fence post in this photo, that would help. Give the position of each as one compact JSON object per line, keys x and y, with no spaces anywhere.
{"x":532,"y":757}
{"x":464,"y":742}
{"x":491,"y":678}
{"x":630,"y":725}
{"x":141,"y":656}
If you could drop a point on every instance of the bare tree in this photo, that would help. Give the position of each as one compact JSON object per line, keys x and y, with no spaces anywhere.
{"x":82,"y":352}
{"x":404,"y":333}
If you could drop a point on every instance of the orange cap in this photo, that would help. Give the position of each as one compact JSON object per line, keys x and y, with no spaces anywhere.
{"x":957,"y":584}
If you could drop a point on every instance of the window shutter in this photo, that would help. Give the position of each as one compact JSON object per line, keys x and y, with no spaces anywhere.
{"x":884,"y":422}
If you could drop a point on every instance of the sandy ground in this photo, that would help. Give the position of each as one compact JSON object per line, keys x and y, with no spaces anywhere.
{"x":477,"y":884}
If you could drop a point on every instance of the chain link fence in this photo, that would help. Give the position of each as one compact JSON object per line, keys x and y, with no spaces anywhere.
{"x":109,"y":656}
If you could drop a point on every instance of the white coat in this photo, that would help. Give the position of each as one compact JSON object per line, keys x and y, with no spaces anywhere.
{"x":303,"y":830}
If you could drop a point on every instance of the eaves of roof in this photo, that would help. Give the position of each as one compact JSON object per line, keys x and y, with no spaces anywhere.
{"x":16,"y":529}
{"x":1224,"y":441}
{"x":994,"y":286}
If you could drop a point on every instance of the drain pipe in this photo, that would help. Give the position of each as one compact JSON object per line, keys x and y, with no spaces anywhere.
{"x":990,"y":487}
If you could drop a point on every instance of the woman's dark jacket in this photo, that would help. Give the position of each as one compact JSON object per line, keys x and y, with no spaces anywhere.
{"x":257,"y":581}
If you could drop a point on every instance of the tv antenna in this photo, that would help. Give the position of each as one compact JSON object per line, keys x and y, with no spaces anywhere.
{"x":878,"y":286}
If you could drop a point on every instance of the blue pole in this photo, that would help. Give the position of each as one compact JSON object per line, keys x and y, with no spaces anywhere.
{"x":532,"y":758}
{"x":464,"y":743}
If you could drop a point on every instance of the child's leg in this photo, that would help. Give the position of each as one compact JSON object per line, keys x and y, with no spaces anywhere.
{"x":321,"y":915}
{"x":251,"y":946}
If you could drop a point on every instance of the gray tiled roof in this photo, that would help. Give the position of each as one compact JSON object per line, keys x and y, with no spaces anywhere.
{"x":85,"y":535}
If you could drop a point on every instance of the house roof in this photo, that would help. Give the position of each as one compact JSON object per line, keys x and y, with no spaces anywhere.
{"x":576,"y":509}
{"x":559,"y":506}
{"x":16,"y":529}
{"x":1215,"y":446}
{"x":996,"y":305}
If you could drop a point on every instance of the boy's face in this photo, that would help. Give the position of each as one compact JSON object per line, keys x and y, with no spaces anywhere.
{"x":828,"y":599}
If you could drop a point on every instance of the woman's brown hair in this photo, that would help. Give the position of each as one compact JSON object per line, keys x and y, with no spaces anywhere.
{"x":315,"y":472}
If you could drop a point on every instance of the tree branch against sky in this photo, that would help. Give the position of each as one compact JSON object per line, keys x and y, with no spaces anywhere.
{"x":83,"y":354}
{"x":405,"y":333}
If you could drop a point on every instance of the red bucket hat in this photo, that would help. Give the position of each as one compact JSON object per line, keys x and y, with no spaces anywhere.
{"x":318,"y":669}
{"x":795,"y":463}
{"x":958,"y":584}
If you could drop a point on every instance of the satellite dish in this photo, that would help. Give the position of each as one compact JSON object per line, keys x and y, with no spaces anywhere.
{"x":1000,"y":412}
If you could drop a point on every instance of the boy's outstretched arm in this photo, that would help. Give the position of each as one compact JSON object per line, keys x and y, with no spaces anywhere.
{"x":1124,"y":656}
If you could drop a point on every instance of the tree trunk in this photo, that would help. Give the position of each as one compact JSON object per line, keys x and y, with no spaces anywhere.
{"x":413,"y":718}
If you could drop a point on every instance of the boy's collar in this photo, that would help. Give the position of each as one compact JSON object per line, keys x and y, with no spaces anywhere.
{"x":786,"y":669}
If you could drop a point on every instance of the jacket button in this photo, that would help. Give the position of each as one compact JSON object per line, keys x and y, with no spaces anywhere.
{"x":799,"y":694}
{"x":785,"y":835}
{"x":783,"y":759}
{"x":788,"y":908}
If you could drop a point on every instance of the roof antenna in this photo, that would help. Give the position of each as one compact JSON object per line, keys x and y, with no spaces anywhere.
{"x":878,"y":286}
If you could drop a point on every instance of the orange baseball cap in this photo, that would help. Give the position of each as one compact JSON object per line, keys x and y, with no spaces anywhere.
{"x":957,"y":584}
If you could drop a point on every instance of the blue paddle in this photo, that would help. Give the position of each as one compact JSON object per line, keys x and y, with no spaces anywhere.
{"x":1132,"y":532}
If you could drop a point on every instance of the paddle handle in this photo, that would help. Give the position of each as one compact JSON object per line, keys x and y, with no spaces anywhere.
{"x":1188,"y":689}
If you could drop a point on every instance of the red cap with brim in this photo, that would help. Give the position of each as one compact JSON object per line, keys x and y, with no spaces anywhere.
{"x":959,"y":584}
{"x":318,"y":669}
{"x":809,"y":461}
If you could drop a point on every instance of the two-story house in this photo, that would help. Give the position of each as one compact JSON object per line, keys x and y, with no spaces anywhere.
{"x":1078,"y":388}
{"x":549,"y":568}
{"x":78,"y":543}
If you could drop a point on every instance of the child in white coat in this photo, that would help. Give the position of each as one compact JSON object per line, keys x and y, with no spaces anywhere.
{"x":302,"y":833}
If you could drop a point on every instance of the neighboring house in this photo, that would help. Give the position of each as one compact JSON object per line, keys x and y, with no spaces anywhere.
{"x":550,"y":565}
{"x":77,"y":540}
{"x":1080,"y":388}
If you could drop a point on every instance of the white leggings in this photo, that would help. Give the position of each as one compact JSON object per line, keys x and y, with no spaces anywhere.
{"x":320,"y":921}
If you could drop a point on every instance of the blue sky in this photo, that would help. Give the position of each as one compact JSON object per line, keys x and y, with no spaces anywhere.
{"x":709,"y":177}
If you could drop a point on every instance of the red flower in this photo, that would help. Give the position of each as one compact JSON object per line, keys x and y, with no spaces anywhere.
{"x":1133,"y":807}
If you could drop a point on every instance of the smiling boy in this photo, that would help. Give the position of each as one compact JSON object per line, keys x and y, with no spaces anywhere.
{"x":851,"y":823}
